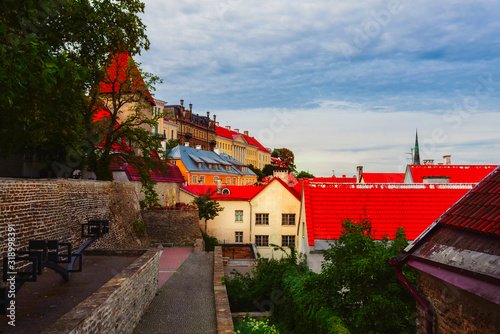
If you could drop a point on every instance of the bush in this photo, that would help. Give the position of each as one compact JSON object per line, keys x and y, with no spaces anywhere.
{"x":210,"y":242}
{"x":254,"y":326}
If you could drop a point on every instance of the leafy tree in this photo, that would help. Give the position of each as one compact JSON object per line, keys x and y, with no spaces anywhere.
{"x":208,"y":208}
{"x":258,"y":172}
{"x":359,"y":283}
{"x":286,"y":156}
{"x":304,"y":174}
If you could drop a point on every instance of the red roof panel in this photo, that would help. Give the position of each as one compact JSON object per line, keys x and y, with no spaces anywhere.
{"x":226,"y":133}
{"x":457,"y":173}
{"x":479,"y":210}
{"x":388,"y":206}
{"x":383,"y":177}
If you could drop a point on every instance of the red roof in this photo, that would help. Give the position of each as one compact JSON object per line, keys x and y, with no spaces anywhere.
{"x":388,"y":206}
{"x":278,"y":162}
{"x":479,"y":210}
{"x":226,"y":133}
{"x":383,"y":177}
{"x":119,"y":72}
{"x":457,"y":173}
{"x":173,"y":174}
{"x":237,"y":193}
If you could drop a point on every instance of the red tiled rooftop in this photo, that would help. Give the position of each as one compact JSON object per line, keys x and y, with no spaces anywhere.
{"x":334,"y":179}
{"x":388,"y":206}
{"x":237,"y":193}
{"x":173,"y":174}
{"x":457,"y":173}
{"x":226,"y":133}
{"x":383,"y":177}
{"x":479,"y":210}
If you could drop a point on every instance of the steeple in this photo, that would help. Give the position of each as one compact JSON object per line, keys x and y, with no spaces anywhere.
{"x":416,"y":156}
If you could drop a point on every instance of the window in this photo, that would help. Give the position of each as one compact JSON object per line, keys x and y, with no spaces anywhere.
{"x":202,"y":179}
{"x":262,"y":219}
{"x":195,"y":179}
{"x":287,"y":240}
{"x":226,"y":191}
{"x":238,"y":215}
{"x":199,"y":164}
{"x":288,"y":219}
{"x":238,"y":236}
{"x":172,"y":137}
{"x":234,"y":181}
{"x":216,"y":178}
{"x":262,"y":240}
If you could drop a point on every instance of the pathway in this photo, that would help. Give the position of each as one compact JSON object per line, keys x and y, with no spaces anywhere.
{"x":185,"y":303}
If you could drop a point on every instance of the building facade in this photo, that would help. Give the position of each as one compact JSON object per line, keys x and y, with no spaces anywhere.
{"x":193,"y":130}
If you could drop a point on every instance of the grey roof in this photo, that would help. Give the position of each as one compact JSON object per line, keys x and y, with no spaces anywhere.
{"x":190,"y":157}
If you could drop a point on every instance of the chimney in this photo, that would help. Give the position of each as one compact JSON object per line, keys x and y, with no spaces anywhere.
{"x":191,"y":108}
{"x":428,"y":161}
{"x":246,"y":133}
{"x":217,"y":150}
{"x":237,"y":130}
{"x":208,"y":114}
{"x":186,"y":144}
{"x":447,"y":159}
{"x":359,"y":173}
{"x":228,"y":127}
{"x":216,"y":123}
{"x":198,"y":147}
{"x":219,"y":186}
{"x":333,"y":172}
{"x":215,"y":119}
{"x":182,"y":103}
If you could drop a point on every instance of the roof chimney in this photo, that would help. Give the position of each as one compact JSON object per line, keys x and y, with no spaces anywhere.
{"x":333,"y":172}
{"x":228,"y":127}
{"x":428,"y":161}
{"x":237,"y":130}
{"x":246,"y":133}
{"x":217,"y":150}
{"x":359,"y":173}
{"x":186,"y":144}
{"x":182,"y":102}
{"x":447,"y":159}
{"x":198,"y":147}
{"x":190,"y":107}
{"x":219,"y":186}
{"x":215,"y":119}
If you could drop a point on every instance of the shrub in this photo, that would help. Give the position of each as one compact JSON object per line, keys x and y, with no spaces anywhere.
{"x":210,"y":242}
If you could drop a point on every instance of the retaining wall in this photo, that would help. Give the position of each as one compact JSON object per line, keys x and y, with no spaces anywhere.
{"x":179,"y":227}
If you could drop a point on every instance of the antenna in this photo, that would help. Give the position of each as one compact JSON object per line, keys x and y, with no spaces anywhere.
{"x":411,"y":155}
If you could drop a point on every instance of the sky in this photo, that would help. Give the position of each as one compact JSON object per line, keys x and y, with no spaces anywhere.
{"x":342,"y":84}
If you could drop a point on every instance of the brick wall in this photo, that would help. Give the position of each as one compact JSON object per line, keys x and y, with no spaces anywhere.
{"x":117,"y":307}
{"x":55,"y":209}
{"x":456,"y":311}
{"x":179,"y":227}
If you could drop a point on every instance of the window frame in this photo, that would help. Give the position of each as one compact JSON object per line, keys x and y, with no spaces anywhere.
{"x":262,"y":219}
{"x":238,"y":237}
{"x":288,"y":215}
{"x":288,"y":237}
{"x":262,"y":239}
{"x":238,"y":215}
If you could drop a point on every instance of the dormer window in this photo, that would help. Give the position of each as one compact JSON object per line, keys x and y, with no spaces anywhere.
{"x":228,"y":167}
{"x":199,"y":164}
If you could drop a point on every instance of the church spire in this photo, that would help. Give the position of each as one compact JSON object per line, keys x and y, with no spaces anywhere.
{"x":416,"y":156}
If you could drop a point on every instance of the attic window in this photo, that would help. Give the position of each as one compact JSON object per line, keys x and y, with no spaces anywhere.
{"x":226,"y":191}
{"x":227,"y":167}
{"x":199,"y":164}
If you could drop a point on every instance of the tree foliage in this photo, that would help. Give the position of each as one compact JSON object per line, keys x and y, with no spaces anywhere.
{"x":286,"y":156}
{"x":208,"y":208}
{"x":258,"y":172}
{"x":359,"y":282}
{"x":302,"y":174}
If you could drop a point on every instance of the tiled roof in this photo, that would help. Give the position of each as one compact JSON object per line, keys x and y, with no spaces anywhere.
{"x":479,"y":210}
{"x":278,"y":162}
{"x":120,"y":65}
{"x":226,"y":133}
{"x":388,"y":206}
{"x":191,"y":156}
{"x":173,"y":174}
{"x":236,"y":193}
{"x":457,"y":173}
{"x":383,"y":177}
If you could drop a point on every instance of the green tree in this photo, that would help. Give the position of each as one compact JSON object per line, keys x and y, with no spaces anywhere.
{"x":286,"y":156}
{"x":359,"y":283}
{"x":304,"y":174}
{"x":268,"y":169}
{"x":258,"y":172}
{"x":208,"y":208}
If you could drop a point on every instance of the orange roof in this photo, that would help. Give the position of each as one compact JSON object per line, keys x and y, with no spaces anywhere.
{"x":457,"y":173}
{"x":383,"y":177}
{"x":388,"y":206}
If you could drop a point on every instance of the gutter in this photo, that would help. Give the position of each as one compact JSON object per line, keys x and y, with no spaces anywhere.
{"x":429,"y":314}
{"x":250,"y":220}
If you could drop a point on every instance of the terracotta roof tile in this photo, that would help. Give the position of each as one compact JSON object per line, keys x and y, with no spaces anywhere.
{"x":457,"y":173}
{"x":383,"y":177}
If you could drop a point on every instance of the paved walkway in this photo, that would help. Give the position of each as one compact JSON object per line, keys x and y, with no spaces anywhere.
{"x":185,"y":303}
{"x":170,"y":260}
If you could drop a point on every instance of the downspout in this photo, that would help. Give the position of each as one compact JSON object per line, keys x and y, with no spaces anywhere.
{"x":250,"y":220}
{"x":429,"y":316}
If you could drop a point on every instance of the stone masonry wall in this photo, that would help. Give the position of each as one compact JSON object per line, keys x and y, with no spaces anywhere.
{"x":55,"y":209}
{"x":456,"y":311}
{"x":168,"y":193}
{"x":117,"y":307}
{"x":179,"y":227}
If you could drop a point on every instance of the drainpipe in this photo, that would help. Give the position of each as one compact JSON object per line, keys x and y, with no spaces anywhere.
{"x":250,"y":220}
{"x":429,"y":316}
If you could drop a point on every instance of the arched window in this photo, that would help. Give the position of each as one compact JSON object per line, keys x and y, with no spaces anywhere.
{"x":226,"y":191}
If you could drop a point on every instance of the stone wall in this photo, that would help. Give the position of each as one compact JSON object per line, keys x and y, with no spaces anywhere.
{"x":456,"y":311}
{"x":222,"y":309}
{"x":117,"y":307}
{"x":168,"y":193}
{"x":179,"y":227}
{"x":55,"y":209}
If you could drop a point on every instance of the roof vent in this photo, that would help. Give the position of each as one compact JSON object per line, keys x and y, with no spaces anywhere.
{"x":186,"y":144}
{"x":228,"y":127}
{"x":198,"y":147}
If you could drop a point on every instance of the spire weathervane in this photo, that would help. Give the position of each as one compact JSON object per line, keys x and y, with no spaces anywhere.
{"x":416,"y":157}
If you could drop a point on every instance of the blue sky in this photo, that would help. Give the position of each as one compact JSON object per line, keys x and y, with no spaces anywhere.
{"x":341,"y":84}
